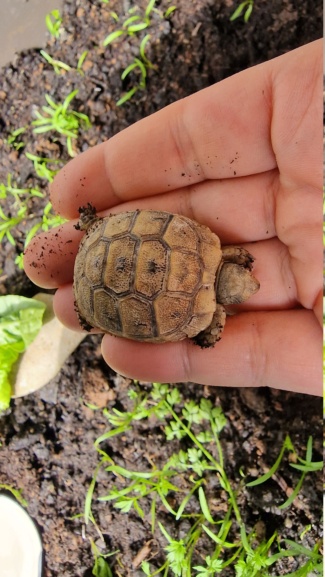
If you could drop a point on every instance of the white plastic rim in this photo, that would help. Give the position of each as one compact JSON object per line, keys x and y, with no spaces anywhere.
{"x":20,"y":542}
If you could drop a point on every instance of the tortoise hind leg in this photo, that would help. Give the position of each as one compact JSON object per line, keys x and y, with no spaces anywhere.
{"x":208,"y":338}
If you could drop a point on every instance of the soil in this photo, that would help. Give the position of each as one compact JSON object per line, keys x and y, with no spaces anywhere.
{"x":47,"y":438}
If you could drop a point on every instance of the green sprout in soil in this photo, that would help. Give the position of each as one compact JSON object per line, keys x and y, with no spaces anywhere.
{"x":42,"y":166}
{"x":59,"y":66}
{"x":141,"y":66}
{"x":245,"y":8}
{"x":53,"y":22}
{"x":59,"y":118}
{"x":15,"y":493}
{"x":217,"y":539}
{"x":131,"y":25}
{"x":18,"y":207}
{"x":101,"y":568}
{"x":134,"y":25}
{"x":18,"y":202}
{"x":14,"y":139}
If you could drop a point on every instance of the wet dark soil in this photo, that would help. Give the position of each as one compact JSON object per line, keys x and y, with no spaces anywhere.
{"x":47,"y":438}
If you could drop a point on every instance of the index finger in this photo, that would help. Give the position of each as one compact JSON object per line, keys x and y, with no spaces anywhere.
{"x":218,"y":133}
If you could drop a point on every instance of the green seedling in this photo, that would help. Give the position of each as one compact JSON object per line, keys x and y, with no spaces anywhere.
{"x":58,"y":65}
{"x":18,"y":208}
{"x":81,"y":61}
{"x":101,"y":567}
{"x":169,"y":11}
{"x":134,"y":25}
{"x":187,"y":474}
{"x":15,"y":493}
{"x":245,"y":8}
{"x":42,"y":166}
{"x":20,"y":322}
{"x":59,"y":118}
{"x":141,"y":66}
{"x":10,"y":189}
{"x":305,"y":466}
{"x":14,"y":138}
{"x":53,"y":22}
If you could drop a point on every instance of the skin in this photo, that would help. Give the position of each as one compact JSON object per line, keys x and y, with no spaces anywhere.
{"x":243,"y":157}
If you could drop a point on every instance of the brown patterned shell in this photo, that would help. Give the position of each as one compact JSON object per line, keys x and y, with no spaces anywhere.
{"x":147,"y":275}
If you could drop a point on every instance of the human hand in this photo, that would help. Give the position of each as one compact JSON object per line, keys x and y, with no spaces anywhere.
{"x":243,"y":157}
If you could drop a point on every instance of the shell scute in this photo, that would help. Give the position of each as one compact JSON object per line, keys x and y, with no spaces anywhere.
{"x":94,"y":262}
{"x":185,"y":272}
{"x":106,"y":312}
{"x":151,"y":222}
{"x":180,"y":234}
{"x":137,"y":318}
{"x":117,"y":224}
{"x":119,"y":265}
{"x":171,"y":313}
{"x":151,"y":267}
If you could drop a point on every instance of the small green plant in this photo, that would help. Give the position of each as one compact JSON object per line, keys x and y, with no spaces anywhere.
{"x":15,"y":493}
{"x":20,"y":321}
{"x":18,"y":206}
{"x":53,"y":22}
{"x":131,"y":25}
{"x":81,"y":61}
{"x":58,"y":65}
{"x":134,"y":24}
{"x":140,"y":65}
{"x":245,"y":8}
{"x":59,"y":118}
{"x":42,"y":166}
{"x":14,"y":138}
{"x":101,"y":568}
{"x":187,"y":474}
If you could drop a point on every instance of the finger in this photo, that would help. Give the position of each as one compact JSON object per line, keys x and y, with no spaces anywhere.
{"x":299,"y":225}
{"x":49,"y":257}
{"x":238,"y":210}
{"x":277,"y":349}
{"x":209,"y":135}
{"x":277,"y":290}
{"x":297,"y":127}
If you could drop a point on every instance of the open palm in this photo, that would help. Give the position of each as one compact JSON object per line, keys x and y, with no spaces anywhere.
{"x":243,"y":157}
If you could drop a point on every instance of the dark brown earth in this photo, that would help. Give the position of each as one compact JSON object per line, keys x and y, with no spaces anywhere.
{"x":47,"y":438}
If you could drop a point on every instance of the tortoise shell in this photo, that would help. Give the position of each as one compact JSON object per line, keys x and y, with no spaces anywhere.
{"x":147,"y":275}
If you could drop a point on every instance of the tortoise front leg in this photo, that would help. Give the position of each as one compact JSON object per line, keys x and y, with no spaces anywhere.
{"x":208,"y":338}
{"x":238,"y":255}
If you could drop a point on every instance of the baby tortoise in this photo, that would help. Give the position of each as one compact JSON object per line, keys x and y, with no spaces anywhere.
{"x":154,"y":276}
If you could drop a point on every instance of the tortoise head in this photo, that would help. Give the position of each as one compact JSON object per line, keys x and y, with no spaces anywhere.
{"x":235,"y":284}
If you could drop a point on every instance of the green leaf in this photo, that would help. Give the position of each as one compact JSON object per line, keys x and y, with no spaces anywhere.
{"x":150,"y":7}
{"x":137,"y":27}
{"x":127,"y":96}
{"x":287,"y":445}
{"x":169,"y":11}
{"x":15,"y":492}
{"x":248,"y":13}
{"x":204,"y":506}
{"x":112,"y":36}
{"x":101,"y":568}
{"x":20,"y":322}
